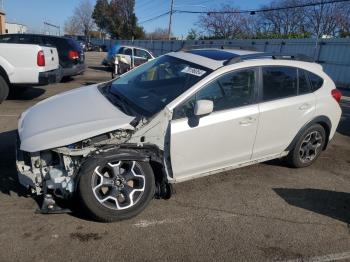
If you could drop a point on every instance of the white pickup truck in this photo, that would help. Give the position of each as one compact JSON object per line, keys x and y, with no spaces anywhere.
{"x":22,"y":64}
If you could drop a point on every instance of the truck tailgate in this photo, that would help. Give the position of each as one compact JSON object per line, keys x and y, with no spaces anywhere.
{"x":51,"y":58}
{"x":20,"y":62}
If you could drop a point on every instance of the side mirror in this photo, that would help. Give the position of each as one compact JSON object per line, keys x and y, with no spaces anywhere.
{"x":203,"y":107}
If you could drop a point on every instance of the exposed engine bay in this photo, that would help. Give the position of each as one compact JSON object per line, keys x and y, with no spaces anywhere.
{"x":55,"y":170}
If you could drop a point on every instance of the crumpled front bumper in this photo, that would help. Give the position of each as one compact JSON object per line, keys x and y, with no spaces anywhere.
{"x":26,"y":176}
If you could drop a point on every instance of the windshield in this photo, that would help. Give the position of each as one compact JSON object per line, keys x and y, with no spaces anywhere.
{"x":153,"y":85}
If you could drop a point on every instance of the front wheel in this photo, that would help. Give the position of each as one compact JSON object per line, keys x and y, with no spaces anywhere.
{"x":4,"y":89}
{"x":308,"y":148}
{"x":115,"y":190}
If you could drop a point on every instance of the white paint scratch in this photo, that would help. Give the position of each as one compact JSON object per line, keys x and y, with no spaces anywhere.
{"x":148,"y":223}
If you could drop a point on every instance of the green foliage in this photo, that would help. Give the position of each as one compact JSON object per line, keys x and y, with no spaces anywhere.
{"x":192,"y":34}
{"x":270,"y":35}
{"x":101,"y":14}
{"x":117,"y":17}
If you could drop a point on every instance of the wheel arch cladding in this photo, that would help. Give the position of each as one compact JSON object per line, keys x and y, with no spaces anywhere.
{"x":324,"y":121}
{"x":152,"y":155}
{"x":4,"y":74}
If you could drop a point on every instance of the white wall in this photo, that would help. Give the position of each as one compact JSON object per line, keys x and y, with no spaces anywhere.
{"x":12,"y":28}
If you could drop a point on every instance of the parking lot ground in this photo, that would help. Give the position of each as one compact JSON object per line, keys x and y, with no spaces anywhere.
{"x":265,"y":212}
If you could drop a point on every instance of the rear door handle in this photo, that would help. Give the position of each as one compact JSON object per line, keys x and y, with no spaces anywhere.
{"x":247,"y":121}
{"x":304,"y":106}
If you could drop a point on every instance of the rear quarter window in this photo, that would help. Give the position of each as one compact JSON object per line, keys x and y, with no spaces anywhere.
{"x":316,"y":81}
{"x":61,"y":44}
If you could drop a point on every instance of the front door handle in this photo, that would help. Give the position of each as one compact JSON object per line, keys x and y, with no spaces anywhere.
{"x":247,"y":121}
{"x":304,"y":106}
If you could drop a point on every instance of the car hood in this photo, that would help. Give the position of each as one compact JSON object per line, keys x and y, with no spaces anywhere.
{"x":68,"y":118}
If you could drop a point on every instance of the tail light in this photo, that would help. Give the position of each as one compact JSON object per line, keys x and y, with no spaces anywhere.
{"x":336,"y":95}
{"x":40,"y":59}
{"x":73,"y":54}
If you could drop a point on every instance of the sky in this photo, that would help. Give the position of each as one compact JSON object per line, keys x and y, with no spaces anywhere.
{"x":33,"y":13}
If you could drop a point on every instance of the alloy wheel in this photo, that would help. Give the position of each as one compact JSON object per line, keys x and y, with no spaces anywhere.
{"x":118,"y":185}
{"x":310,"y":146}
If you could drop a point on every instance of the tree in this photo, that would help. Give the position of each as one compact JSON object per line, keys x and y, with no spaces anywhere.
{"x":282,"y":23}
{"x":344,"y":30}
{"x":192,"y":34}
{"x":224,"y":25}
{"x":158,"y":34}
{"x":83,"y":13}
{"x":117,"y":17}
{"x":324,"y":19}
{"x":101,"y":15}
{"x":72,"y":26}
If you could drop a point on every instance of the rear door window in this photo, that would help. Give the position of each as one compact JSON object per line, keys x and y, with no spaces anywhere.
{"x":279,"y":82}
{"x":127,"y":51}
{"x":142,"y":53}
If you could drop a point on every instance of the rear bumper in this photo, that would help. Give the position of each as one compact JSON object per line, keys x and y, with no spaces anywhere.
{"x":74,"y":70}
{"x":50,"y":77}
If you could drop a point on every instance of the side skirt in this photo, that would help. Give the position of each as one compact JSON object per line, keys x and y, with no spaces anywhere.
{"x":231,"y":167}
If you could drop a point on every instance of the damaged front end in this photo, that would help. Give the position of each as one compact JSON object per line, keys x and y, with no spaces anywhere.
{"x":54,"y":171}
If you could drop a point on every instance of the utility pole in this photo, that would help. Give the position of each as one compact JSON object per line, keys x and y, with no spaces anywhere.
{"x":170,"y":18}
{"x":46,"y":24}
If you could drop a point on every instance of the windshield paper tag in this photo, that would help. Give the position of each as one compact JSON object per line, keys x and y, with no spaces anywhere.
{"x":193,"y":71}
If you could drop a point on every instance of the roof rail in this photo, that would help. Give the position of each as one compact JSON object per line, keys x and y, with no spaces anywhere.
{"x":215,"y":46}
{"x":298,"y":57}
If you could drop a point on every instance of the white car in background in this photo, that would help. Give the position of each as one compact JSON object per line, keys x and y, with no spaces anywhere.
{"x":183,"y":115}
{"x":125,"y":58}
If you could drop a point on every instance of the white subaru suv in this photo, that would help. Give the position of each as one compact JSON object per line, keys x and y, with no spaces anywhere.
{"x":183,"y":115}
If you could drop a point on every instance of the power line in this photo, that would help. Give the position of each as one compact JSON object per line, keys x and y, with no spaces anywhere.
{"x":261,"y":10}
{"x":156,"y":17}
{"x":252,"y":12}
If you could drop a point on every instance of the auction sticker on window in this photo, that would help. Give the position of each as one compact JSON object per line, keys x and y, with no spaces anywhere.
{"x":193,"y":71}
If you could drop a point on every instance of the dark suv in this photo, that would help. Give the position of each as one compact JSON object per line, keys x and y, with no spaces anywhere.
{"x":70,"y":54}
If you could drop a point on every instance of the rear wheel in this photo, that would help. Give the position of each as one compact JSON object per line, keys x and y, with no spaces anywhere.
{"x":115,"y":190}
{"x":308,"y":148}
{"x":4,"y":89}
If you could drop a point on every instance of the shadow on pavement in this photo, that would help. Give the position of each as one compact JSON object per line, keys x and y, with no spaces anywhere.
{"x":8,"y":173}
{"x":344,"y":125}
{"x":25,"y":93}
{"x":100,"y":68}
{"x":329,"y":203}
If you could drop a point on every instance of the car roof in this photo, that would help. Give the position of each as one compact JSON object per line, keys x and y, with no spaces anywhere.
{"x":41,"y":35}
{"x":212,"y":58}
{"x":129,"y":46}
{"x":220,"y":54}
{"x":215,"y":58}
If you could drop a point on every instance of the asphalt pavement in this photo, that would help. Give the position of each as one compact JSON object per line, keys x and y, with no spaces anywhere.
{"x":264,"y":212}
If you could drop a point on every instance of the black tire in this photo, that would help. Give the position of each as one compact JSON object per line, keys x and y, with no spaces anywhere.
{"x":297,"y":157}
{"x":108,"y":211}
{"x":4,"y":89}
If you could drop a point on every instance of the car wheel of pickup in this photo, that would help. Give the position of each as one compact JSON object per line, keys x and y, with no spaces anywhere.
{"x":308,"y":147}
{"x":115,"y":190}
{"x":4,"y":89}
